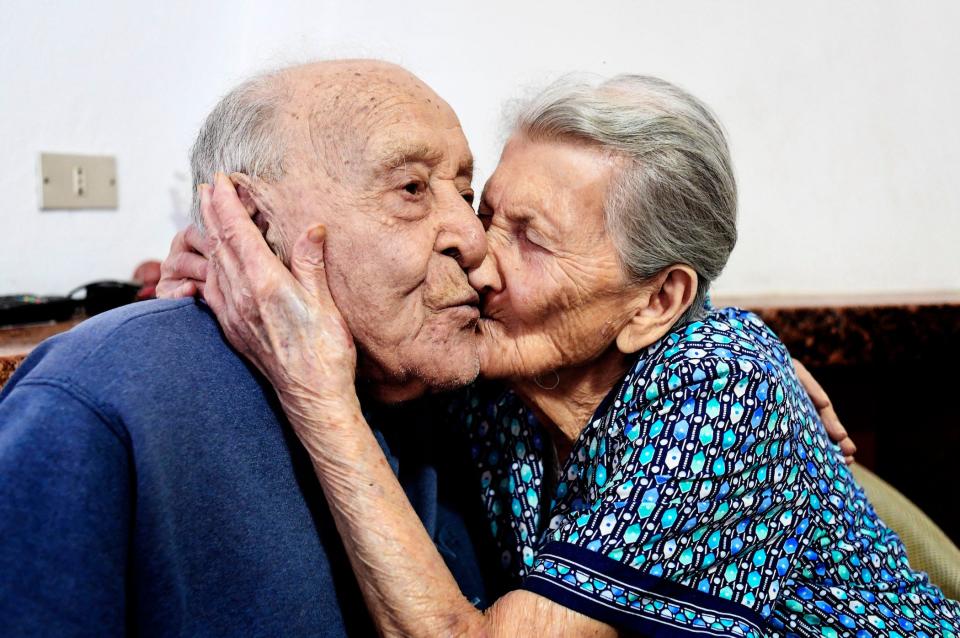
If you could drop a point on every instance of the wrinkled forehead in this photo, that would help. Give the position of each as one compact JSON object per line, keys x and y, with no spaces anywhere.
{"x":361,"y":119}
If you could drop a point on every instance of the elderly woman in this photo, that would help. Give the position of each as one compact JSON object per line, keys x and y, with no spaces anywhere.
{"x":648,"y":464}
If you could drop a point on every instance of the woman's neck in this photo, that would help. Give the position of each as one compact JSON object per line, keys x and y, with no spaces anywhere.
{"x":564,"y":402}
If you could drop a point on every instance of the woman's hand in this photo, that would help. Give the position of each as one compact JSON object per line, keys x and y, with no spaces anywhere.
{"x":184,"y":272}
{"x":284,"y":321}
{"x":836,"y":431}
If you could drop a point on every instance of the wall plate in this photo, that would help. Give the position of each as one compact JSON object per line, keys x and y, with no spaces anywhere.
{"x":77,"y":181}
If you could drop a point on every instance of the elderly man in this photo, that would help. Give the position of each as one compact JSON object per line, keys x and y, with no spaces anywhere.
{"x":151,"y":484}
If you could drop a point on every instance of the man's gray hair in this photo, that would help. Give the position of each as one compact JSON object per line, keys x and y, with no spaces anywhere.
{"x":240,"y":135}
{"x":674,"y":201}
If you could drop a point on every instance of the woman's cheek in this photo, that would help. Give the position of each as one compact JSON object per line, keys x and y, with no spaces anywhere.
{"x":532,"y":301}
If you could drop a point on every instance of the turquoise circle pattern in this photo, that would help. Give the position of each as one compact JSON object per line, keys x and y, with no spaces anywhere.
{"x":708,"y":469}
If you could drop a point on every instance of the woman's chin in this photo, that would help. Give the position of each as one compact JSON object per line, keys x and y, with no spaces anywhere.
{"x":503,"y":355}
{"x":495,"y":362}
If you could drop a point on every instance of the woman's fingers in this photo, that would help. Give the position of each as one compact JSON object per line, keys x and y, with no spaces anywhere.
{"x":234,"y":228}
{"x":213,"y":296}
{"x":188,"y":266}
{"x":848,"y":447}
{"x":831,"y":422}
{"x":175,"y":289}
{"x":195,"y":241}
{"x":222,"y":257}
{"x":308,"y":266}
{"x":182,"y":269}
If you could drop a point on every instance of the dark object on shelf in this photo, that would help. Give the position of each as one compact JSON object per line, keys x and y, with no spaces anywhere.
{"x":106,"y":295}
{"x":17,"y":310}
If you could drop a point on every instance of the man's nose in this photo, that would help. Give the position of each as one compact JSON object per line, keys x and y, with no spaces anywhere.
{"x":486,"y":276}
{"x":462,"y":237}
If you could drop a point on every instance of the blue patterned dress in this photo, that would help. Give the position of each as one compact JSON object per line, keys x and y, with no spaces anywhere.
{"x":703,"y":498}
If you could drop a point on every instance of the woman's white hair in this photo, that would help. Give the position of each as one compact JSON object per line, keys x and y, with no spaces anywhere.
{"x":674,"y":201}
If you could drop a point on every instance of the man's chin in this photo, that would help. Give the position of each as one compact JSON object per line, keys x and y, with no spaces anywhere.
{"x":417,"y":370}
{"x":413,"y":384}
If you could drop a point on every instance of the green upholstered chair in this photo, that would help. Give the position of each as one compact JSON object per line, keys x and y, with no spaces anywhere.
{"x":928,"y":547}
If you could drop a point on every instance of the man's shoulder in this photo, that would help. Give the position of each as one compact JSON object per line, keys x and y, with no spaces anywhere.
{"x":153,"y":342}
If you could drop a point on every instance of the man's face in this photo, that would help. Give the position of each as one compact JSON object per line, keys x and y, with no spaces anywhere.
{"x":393,"y":188}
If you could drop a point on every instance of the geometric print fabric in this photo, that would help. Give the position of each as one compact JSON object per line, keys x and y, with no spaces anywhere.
{"x":703,"y":498}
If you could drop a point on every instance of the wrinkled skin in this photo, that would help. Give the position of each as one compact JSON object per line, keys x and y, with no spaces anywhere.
{"x":554,"y":294}
{"x":400,"y":227}
{"x":555,"y":300}
{"x":381,"y":162}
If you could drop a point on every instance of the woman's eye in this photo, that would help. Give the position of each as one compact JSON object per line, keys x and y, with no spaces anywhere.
{"x":485,"y":218}
{"x":467,"y":197}
{"x":413,"y":188}
{"x":532,"y":238}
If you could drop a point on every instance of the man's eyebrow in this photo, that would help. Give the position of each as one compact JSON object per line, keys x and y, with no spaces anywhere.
{"x":402,"y":154}
{"x":466,"y":168}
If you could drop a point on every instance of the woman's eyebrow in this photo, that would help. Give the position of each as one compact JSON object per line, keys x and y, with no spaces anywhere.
{"x":525,"y":216}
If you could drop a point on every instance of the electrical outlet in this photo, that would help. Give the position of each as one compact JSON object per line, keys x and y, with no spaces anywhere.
{"x":77,"y":181}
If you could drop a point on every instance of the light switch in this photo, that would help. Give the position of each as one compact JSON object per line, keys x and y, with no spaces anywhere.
{"x":77,"y":181}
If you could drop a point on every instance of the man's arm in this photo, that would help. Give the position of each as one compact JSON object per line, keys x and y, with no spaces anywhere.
{"x":64,"y":514}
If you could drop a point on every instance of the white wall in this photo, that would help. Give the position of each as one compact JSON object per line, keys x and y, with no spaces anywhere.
{"x":842,"y":115}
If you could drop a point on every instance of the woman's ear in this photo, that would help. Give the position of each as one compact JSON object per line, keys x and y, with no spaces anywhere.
{"x":663,"y":300}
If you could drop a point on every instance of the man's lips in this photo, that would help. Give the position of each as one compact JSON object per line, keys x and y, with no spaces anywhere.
{"x":469,"y":305}
{"x":471,"y":300}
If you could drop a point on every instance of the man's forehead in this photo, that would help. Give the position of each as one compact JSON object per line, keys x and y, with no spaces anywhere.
{"x":387,"y":115}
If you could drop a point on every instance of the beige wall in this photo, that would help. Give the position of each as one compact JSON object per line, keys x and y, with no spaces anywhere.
{"x":842,"y":115}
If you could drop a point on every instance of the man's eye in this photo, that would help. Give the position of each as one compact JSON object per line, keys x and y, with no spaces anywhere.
{"x":413,"y":188}
{"x":467,"y":197}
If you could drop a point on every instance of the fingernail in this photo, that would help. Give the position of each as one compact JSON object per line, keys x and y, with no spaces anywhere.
{"x":316,"y":234}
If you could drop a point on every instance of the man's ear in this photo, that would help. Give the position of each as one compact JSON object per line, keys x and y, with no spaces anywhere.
{"x":245,"y":190}
{"x":249,"y":191}
{"x":255,"y":196}
{"x":663,"y":301}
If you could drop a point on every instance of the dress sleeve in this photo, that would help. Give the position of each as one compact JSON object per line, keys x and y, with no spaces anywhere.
{"x":64,"y":515}
{"x":689,"y":521}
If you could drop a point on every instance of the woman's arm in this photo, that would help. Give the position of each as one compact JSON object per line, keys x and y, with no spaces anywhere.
{"x":285,"y":322}
{"x":407,"y":586}
{"x":184,"y":272}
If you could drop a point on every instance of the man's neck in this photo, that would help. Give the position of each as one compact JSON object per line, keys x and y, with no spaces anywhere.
{"x":564,"y":402}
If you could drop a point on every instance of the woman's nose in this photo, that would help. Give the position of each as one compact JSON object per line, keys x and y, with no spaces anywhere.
{"x":486,"y":276}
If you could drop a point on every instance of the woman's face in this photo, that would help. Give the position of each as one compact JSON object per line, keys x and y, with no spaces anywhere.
{"x":553,"y":292}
